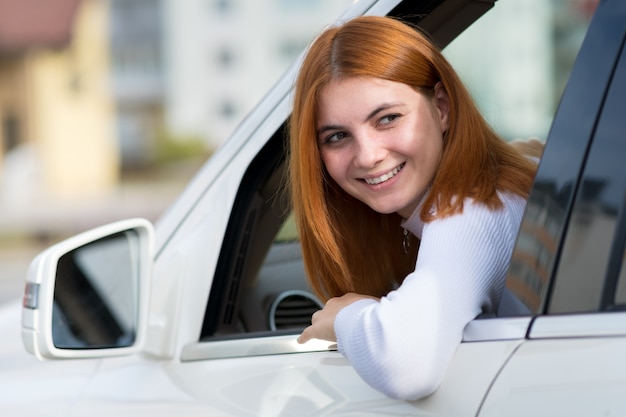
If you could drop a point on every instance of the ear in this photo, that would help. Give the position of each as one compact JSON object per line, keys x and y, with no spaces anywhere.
{"x":442,"y":102}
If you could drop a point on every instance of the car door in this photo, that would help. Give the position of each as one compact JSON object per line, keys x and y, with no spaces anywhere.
{"x":572,"y":363}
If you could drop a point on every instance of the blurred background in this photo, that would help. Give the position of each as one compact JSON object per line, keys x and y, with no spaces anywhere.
{"x":109,"y":107}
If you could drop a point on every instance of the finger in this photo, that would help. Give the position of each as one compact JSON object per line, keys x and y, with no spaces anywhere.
{"x":305,"y":336}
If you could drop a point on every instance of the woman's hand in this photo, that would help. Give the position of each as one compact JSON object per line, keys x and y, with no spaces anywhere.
{"x":323,"y":321}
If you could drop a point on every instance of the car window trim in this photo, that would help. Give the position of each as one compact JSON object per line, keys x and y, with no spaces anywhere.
{"x":616,"y":263}
{"x":492,"y":329}
{"x":609,"y":324}
{"x":252,"y":347}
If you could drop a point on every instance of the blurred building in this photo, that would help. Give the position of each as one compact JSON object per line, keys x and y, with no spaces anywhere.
{"x":137,"y":73}
{"x":526,"y":50}
{"x":56,"y":109}
{"x":216,"y":59}
{"x":92,"y":88}
{"x":223,"y":55}
{"x":190,"y":70}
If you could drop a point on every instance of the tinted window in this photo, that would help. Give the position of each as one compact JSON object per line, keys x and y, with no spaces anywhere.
{"x":593,"y":250}
{"x":560,"y":202}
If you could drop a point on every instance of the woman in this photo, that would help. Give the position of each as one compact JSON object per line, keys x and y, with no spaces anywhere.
{"x":387,"y":143}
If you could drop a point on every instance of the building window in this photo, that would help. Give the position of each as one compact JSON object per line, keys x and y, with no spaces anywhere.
{"x":299,"y":5}
{"x":289,"y":49}
{"x":223,"y":7}
{"x":226,"y":57}
{"x":10,"y":132}
{"x":227,"y":109}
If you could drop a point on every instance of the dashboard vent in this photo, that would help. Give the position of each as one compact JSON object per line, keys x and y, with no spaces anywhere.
{"x":293,"y":310}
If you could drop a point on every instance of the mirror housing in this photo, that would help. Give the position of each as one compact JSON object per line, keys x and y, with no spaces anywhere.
{"x":88,"y":296}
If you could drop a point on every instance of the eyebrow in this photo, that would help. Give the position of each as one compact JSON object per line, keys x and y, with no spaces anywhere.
{"x":379,"y":109}
{"x":369,"y":117}
{"x":327,"y":128}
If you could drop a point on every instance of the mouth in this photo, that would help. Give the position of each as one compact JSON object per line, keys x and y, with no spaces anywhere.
{"x":385,"y":177}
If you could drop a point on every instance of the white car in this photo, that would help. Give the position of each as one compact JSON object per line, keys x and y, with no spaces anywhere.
{"x":198,"y":316}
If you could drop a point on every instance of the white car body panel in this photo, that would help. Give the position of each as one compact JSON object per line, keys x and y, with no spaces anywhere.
{"x":29,"y":387}
{"x":579,"y":325}
{"x":316,"y":383}
{"x":562,"y":377}
{"x":321,"y":383}
{"x":573,"y":365}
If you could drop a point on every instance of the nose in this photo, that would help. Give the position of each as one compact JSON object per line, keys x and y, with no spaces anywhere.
{"x":369,"y":151}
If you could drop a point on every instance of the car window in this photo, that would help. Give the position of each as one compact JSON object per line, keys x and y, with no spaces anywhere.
{"x":260,"y":285}
{"x":537,"y":254}
{"x":593,"y":252}
{"x":288,"y":231}
{"x":270,"y":286}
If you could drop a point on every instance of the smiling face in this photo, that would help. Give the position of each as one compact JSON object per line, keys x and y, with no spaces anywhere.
{"x":381,"y":141}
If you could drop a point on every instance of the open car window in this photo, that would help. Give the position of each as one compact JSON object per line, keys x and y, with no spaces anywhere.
{"x":260,"y":286}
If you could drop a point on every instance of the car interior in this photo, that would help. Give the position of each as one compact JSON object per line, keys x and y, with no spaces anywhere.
{"x":260,"y":284}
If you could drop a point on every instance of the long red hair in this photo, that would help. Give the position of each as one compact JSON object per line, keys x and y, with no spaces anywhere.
{"x":347,"y":247}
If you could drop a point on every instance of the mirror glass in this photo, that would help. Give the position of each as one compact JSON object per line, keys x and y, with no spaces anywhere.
{"x":96,"y":294}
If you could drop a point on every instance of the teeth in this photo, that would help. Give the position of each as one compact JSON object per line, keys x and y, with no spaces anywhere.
{"x":385,"y":177}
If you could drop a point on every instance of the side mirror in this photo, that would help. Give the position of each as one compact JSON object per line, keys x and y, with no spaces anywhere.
{"x":87,"y":296}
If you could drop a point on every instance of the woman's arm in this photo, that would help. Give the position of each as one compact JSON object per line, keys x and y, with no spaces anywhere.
{"x":403,"y":344}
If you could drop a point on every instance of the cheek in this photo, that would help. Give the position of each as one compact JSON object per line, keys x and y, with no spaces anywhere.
{"x":334,"y":164}
{"x":435,"y":154}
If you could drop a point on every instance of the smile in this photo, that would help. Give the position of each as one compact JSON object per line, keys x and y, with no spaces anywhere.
{"x":385,"y":177}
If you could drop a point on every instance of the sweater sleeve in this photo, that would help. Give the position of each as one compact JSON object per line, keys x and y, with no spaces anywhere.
{"x":403,"y":344}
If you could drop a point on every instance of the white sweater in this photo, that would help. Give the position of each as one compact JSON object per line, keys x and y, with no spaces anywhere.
{"x":403,"y":344}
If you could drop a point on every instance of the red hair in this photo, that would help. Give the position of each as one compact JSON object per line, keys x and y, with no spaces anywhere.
{"x":346,"y":245}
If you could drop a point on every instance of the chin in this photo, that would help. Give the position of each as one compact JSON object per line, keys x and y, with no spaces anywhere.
{"x":384,"y":209}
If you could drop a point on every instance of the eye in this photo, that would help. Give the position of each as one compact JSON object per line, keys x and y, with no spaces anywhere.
{"x":385,"y":120}
{"x":334,"y":138}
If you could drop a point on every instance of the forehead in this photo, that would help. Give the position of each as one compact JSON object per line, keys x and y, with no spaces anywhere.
{"x":354,"y":96}
{"x":361,"y":85}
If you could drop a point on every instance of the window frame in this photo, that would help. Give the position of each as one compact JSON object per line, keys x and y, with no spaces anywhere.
{"x":590,"y":208}
{"x":559,"y":176}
